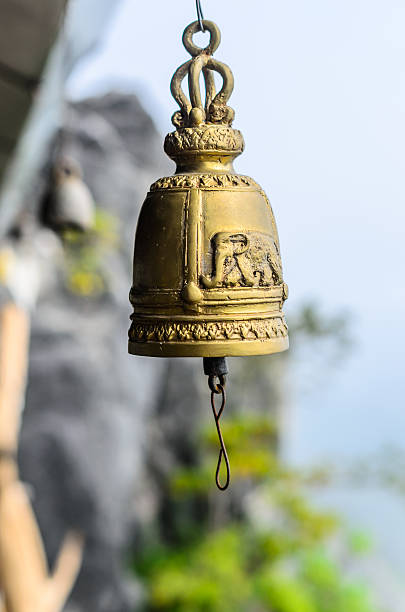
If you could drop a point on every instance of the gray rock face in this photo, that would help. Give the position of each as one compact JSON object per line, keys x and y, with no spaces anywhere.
{"x":100,"y":425}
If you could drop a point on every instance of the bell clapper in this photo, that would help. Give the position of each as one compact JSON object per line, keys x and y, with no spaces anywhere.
{"x":216,"y":368}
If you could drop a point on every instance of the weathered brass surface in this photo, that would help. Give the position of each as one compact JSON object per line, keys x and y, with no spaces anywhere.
{"x":208,"y":278}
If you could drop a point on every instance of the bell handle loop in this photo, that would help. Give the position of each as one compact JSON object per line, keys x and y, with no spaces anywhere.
{"x":223,"y":455}
{"x":177,"y":91}
{"x":193,"y":28}
{"x":197,"y":65}
{"x":210,"y":90}
{"x":204,"y":62}
{"x":179,"y":95}
{"x":227,"y":75}
{"x":215,"y":103}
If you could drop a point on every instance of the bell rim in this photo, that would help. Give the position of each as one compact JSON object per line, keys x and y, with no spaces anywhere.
{"x":234,"y":348}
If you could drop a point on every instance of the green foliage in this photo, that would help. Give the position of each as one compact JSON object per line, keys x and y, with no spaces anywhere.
{"x":208,"y":576}
{"x":360,"y":542}
{"x":234,"y":569}
{"x":85,"y":253}
{"x":231,"y":564}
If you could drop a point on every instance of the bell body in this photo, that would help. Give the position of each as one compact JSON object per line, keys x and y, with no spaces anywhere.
{"x":207,"y":270}
{"x":207,"y":279}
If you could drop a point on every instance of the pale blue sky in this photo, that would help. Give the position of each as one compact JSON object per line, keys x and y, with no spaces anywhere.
{"x":320,"y":98}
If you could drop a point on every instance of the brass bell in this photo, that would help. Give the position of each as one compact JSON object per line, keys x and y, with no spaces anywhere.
{"x":207,"y":276}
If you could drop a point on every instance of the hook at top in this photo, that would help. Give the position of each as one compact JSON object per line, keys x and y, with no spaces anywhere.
{"x":200,"y":15}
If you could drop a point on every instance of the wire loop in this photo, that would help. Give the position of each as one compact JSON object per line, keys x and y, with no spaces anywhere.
{"x":223,"y":455}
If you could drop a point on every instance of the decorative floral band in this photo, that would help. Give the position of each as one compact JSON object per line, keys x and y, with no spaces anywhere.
{"x":204,"y":181}
{"x":204,"y":138}
{"x":186,"y":331}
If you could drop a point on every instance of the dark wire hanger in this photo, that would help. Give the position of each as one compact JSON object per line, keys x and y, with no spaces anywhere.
{"x":200,"y":15}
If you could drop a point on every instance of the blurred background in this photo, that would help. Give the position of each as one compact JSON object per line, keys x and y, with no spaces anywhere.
{"x":123,"y":449}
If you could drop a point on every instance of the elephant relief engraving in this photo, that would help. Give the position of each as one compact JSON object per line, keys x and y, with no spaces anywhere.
{"x":249,"y":259}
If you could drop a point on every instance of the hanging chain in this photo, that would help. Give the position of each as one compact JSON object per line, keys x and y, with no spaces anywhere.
{"x":200,"y":15}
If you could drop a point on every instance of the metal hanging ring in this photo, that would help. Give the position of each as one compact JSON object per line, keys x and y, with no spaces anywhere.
{"x":223,"y":455}
{"x":192,"y":29}
{"x":200,"y":15}
{"x":214,"y":386}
